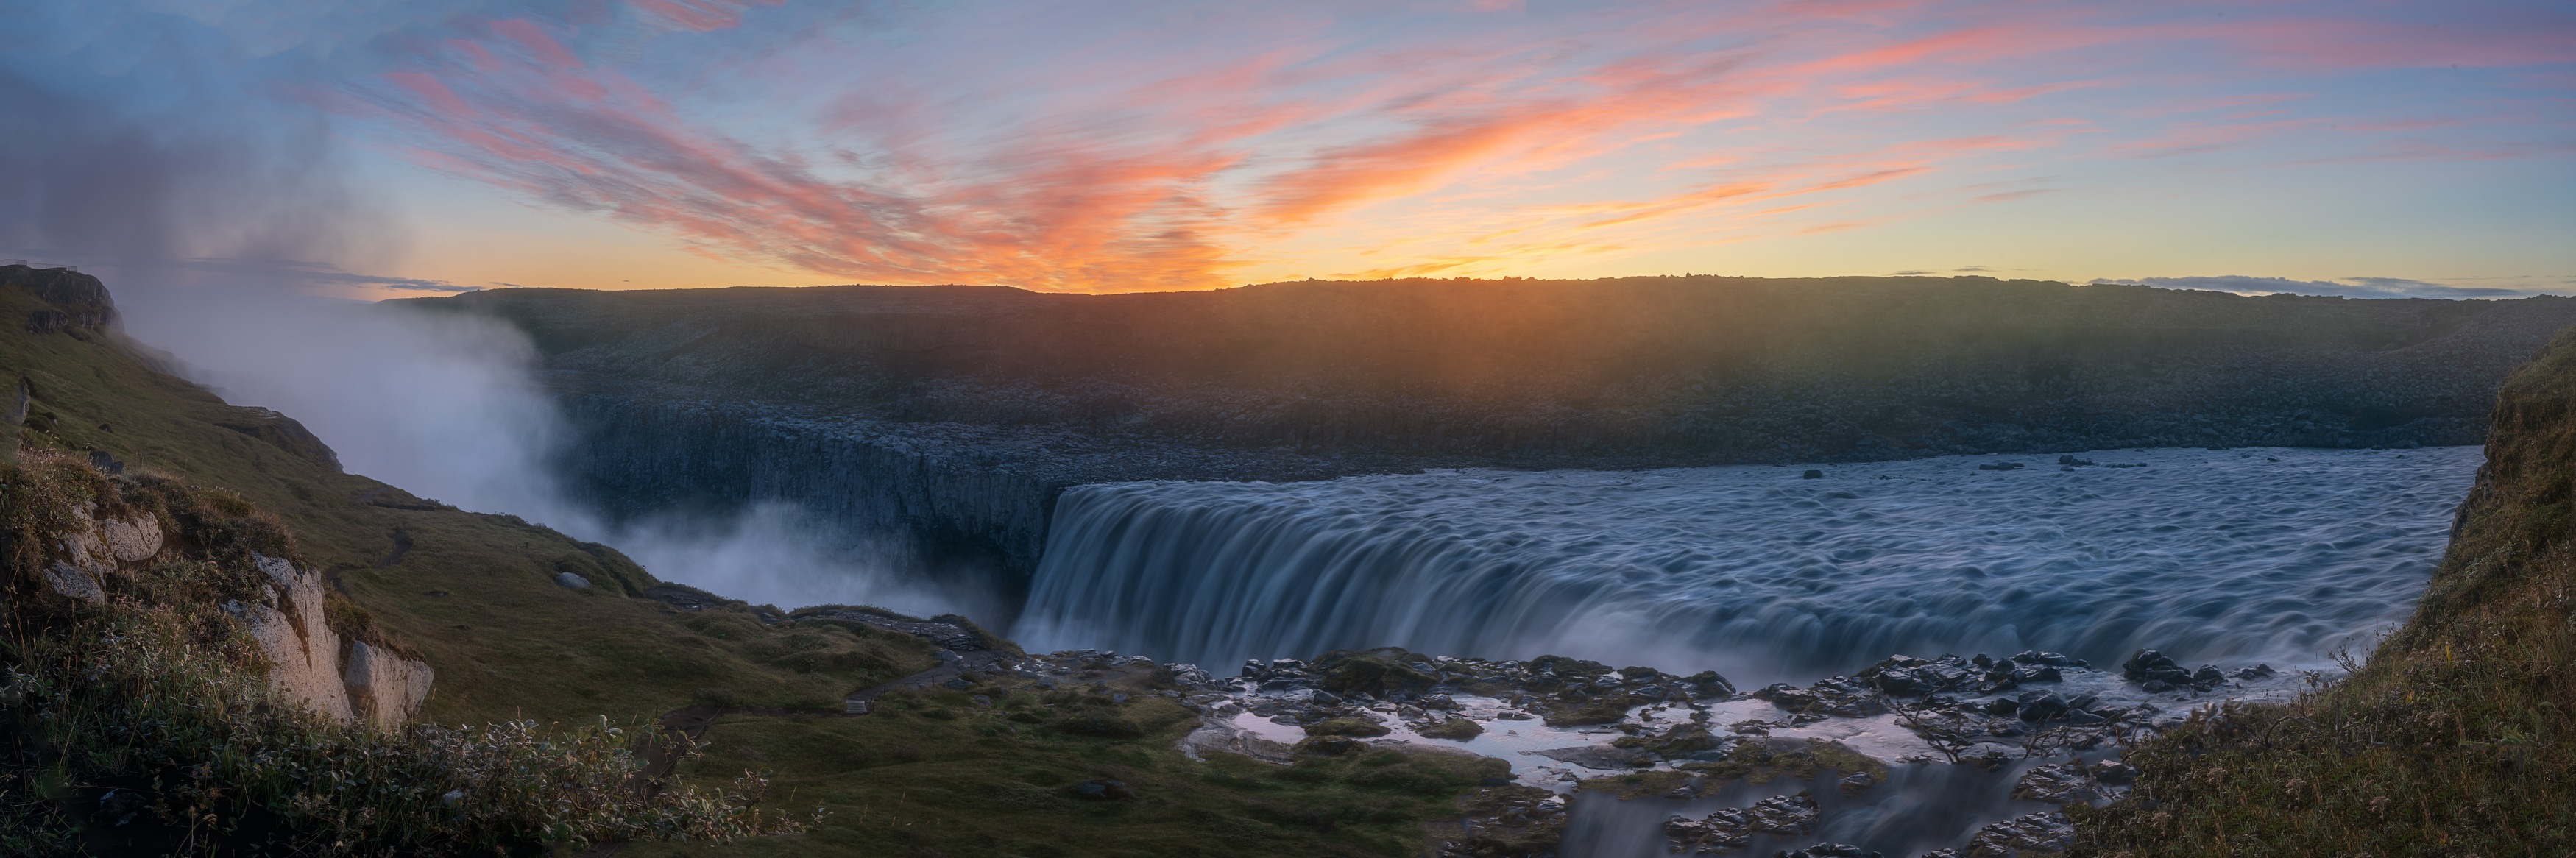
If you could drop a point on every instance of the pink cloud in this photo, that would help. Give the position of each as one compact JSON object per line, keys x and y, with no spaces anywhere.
{"x":1173,"y":160}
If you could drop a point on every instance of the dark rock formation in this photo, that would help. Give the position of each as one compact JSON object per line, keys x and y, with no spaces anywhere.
{"x":80,"y":302}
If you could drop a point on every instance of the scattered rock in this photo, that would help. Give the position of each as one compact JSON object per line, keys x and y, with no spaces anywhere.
{"x":2045,"y":832}
{"x":1732,"y":828}
{"x":2072,"y":462}
{"x":1598,"y":757}
{"x":2038,"y":706}
{"x":2158,"y":673}
{"x":2000,"y":466}
{"x":2063,"y":783}
{"x":1826,"y":850}
{"x":2259,"y":671}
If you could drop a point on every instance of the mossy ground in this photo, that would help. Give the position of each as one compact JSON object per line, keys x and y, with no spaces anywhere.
{"x":2455,"y":739}
{"x":939,"y":774}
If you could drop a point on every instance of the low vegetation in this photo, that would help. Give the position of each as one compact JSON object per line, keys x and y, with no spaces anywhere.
{"x":939,"y":773}
{"x":146,"y":722}
{"x":2454,"y":738}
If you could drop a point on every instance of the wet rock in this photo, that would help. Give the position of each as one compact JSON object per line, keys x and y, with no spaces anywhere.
{"x":1598,"y":757}
{"x":2113,"y":772}
{"x":2072,"y":462}
{"x":1812,"y":474}
{"x":2258,"y":671}
{"x":2151,"y":666}
{"x":1458,"y":729}
{"x":2038,"y":706}
{"x":2036,"y":657}
{"x":2002,"y":706}
{"x":1941,"y":853}
{"x":1826,"y":850}
{"x":2063,"y":783}
{"x":2046,"y":832}
{"x":2000,"y":466}
{"x":2208,"y":676}
{"x":2042,"y":673}
{"x":1732,"y":828}
{"x":1707,"y":683}
{"x":1783,"y":814}
{"x":1856,"y":782}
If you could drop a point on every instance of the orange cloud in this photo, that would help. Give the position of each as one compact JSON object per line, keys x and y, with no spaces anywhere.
{"x":1135,"y":164}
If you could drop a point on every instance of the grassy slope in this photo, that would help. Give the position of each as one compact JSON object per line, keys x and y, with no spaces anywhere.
{"x":474,"y":595}
{"x":505,"y":639}
{"x":938,"y":775}
{"x":2456,"y":738}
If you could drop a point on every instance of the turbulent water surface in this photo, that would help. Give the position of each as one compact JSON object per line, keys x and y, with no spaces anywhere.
{"x":2213,"y":555}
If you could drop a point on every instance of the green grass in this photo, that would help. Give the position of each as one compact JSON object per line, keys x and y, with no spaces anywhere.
{"x":2454,"y":739}
{"x":936,"y":774}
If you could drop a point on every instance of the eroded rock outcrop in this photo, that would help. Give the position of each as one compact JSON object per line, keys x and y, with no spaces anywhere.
{"x":93,"y":548}
{"x":310,"y":664}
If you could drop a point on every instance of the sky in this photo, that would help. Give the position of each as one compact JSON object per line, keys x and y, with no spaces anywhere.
{"x":377,"y":148}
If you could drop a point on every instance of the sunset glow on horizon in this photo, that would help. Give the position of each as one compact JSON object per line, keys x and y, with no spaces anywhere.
{"x":2424,"y":147}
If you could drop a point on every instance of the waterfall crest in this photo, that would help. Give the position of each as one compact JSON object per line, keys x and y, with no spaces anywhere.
{"x":2276,"y":554}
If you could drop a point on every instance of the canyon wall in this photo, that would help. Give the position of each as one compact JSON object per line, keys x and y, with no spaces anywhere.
{"x":954,"y":416}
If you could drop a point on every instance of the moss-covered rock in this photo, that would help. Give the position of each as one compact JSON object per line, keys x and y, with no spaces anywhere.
{"x":1460,"y":729}
{"x":1350,"y":726}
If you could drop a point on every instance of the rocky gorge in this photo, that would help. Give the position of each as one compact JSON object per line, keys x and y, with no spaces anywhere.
{"x":954,"y":417}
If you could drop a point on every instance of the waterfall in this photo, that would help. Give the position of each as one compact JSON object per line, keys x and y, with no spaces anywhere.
{"x":2275,"y":554}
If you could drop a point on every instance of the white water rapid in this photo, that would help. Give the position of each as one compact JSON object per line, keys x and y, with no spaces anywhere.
{"x":2211,"y":555}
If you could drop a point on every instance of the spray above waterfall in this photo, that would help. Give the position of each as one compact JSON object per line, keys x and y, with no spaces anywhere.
{"x":2282,"y":555}
{"x":449,"y":406}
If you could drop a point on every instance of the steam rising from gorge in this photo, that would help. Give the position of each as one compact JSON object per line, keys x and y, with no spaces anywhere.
{"x":448,"y":407}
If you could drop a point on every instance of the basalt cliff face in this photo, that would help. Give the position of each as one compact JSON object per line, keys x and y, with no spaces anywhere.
{"x":955,"y":415}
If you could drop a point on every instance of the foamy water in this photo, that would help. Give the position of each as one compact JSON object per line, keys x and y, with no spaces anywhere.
{"x":2279,"y":555}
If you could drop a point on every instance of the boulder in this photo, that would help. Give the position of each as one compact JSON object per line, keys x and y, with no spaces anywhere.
{"x":2148,"y":665}
{"x":384,"y":687}
{"x":2038,"y":706}
{"x":131,"y":539}
{"x":303,"y":653}
{"x":2046,"y":832}
{"x":74,"y":582}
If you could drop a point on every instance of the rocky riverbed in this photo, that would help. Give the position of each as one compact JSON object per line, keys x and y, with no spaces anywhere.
{"x":1948,"y":756}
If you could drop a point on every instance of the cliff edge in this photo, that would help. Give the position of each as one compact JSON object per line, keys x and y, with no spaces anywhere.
{"x":2454,"y":738}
